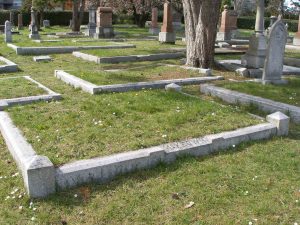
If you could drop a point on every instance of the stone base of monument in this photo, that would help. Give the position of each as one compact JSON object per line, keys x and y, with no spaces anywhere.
{"x":90,"y":31}
{"x":154,"y":30}
{"x":278,"y":82}
{"x":104,"y":32}
{"x":296,"y":40}
{"x":226,"y":36}
{"x":166,"y":37}
{"x":255,"y":56}
{"x":34,"y":36}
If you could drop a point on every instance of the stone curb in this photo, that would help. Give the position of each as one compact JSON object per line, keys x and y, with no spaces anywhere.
{"x":263,"y":104}
{"x":9,"y":67}
{"x":50,"y":96}
{"x":38,"y":171}
{"x":102,"y":170}
{"x":129,"y":58}
{"x":41,"y":178}
{"x":94,"y":89}
{"x":61,"y":49}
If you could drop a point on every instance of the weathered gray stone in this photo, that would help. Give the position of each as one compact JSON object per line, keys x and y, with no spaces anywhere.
{"x":263,"y":104}
{"x":38,"y":172}
{"x":173,"y":87}
{"x":46,"y":23}
{"x":7,"y":32}
{"x":93,"y":89}
{"x":275,"y":53}
{"x":104,"y":169}
{"x":281,"y":121}
{"x":51,"y":95}
{"x":42,"y":58}
{"x":255,"y":56}
{"x":223,"y":44}
{"x":61,"y":49}
{"x":166,"y":37}
{"x":128,"y":58}
{"x":34,"y":31}
{"x":9,"y":67}
{"x":91,"y":27}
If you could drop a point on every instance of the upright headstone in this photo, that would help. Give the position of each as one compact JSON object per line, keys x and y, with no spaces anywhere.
{"x":34,"y":32}
{"x":91,"y":28}
{"x":104,"y":27}
{"x":177,"y":20}
{"x":46,"y":23}
{"x":11,"y":18}
{"x":20,"y":21}
{"x":273,"y":19}
{"x":296,"y":40}
{"x":7,"y":32}
{"x":167,"y":34}
{"x":275,"y":54}
{"x":228,"y":28}
{"x":256,"y":54}
{"x":154,"y":29}
{"x":71,"y":24}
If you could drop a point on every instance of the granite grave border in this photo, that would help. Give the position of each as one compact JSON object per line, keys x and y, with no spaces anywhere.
{"x":160,"y":84}
{"x":61,"y":49}
{"x":51,"y":95}
{"x":42,"y":178}
{"x":263,"y":104}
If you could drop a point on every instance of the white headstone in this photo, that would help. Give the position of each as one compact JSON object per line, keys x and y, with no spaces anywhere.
{"x":7,"y":32}
{"x":275,"y":54}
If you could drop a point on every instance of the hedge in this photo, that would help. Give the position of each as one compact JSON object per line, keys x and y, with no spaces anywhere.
{"x":63,"y":18}
{"x":249,"y":23}
{"x":56,"y":17}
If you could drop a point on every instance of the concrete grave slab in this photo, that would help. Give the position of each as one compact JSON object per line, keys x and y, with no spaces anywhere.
{"x":10,"y":66}
{"x":160,"y":84}
{"x":236,"y":66}
{"x":51,"y":95}
{"x":128,"y":58}
{"x":61,"y":49}
{"x":263,"y":104}
{"x":42,"y":58}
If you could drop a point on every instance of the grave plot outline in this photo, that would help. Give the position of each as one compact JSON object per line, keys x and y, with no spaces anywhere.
{"x":10,"y":66}
{"x":61,"y":49}
{"x":49,"y":96}
{"x":93,"y":89}
{"x":42,"y":178}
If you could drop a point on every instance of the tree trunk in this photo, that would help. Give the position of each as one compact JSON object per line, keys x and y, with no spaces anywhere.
{"x":41,"y":17}
{"x":75,"y":16}
{"x":201,"y":19}
{"x":81,"y":12}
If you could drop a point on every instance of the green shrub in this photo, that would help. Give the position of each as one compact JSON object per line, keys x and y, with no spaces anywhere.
{"x":249,"y":23}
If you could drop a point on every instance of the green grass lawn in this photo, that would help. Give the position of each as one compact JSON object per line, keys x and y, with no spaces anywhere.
{"x":113,"y":123}
{"x":257,"y":182}
{"x":292,"y":54}
{"x":289,"y":93}
{"x":134,"y":72}
{"x":18,"y":87}
{"x":142,"y":48}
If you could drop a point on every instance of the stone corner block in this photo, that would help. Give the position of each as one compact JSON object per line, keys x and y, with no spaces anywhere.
{"x":40,"y":177}
{"x":173,"y":87}
{"x":281,"y":121}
